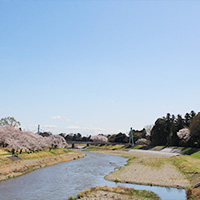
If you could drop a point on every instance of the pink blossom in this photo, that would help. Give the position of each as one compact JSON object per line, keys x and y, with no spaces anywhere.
{"x":16,"y":139}
{"x":99,"y":139}
{"x":55,"y":140}
{"x":184,"y":134}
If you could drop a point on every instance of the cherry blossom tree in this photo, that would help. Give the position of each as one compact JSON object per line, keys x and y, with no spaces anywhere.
{"x":99,"y":139}
{"x":16,"y":139}
{"x":55,"y":141}
{"x":184,"y":134}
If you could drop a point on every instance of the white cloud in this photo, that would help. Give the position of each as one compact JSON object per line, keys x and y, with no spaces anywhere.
{"x":57,"y":117}
{"x":60,"y":118}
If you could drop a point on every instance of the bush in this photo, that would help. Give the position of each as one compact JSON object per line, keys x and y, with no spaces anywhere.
{"x":71,"y":197}
{"x":142,"y":141}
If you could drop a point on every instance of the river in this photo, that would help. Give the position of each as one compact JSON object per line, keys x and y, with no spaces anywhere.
{"x":59,"y":181}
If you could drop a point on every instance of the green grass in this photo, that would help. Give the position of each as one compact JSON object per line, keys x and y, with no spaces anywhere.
{"x":129,"y":160}
{"x":184,"y":165}
{"x":189,"y":166}
{"x":24,"y":155}
{"x":92,"y":149}
{"x":137,"y":147}
{"x":71,"y":197}
{"x":42,"y":154}
{"x":105,"y":147}
{"x":196,"y":155}
{"x":116,"y":180}
{"x":181,"y":148}
{"x":189,"y":151}
{"x":4,"y":152}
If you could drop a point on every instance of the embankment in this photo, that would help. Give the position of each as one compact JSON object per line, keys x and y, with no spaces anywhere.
{"x":10,"y":169}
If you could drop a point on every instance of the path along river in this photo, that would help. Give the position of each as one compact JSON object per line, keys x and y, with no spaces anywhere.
{"x":59,"y":181}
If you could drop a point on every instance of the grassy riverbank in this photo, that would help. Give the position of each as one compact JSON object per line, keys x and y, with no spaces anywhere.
{"x":15,"y":166}
{"x":190,"y":167}
{"x":148,"y":169}
{"x":181,"y":171}
{"x":116,"y":193}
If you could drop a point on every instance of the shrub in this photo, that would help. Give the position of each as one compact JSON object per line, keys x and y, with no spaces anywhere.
{"x":142,"y":141}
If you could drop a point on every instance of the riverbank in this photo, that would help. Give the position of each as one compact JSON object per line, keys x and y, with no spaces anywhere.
{"x":12,"y":167}
{"x":128,"y":174}
{"x":185,"y":163}
{"x":148,"y":169}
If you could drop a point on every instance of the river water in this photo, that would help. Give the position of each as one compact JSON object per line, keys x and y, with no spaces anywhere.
{"x":59,"y":181}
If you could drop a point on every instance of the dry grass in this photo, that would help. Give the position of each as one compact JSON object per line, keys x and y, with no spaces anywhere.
{"x":9,"y":169}
{"x":189,"y":166}
{"x":154,"y":162}
{"x":105,"y":147}
{"x":42,"y":154}
{"x":3,"y":152}
{"x":122,"y":193}
{"x":148,"y":169}
{"x":193,"y":194}
{"x":4,"y":160}
{"x":35,"y":155}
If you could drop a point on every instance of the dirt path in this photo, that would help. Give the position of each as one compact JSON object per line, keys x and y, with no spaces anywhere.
{"x":148,"y":169}
{"x":162,"y":153}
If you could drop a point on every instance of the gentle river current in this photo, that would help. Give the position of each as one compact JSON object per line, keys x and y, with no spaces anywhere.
{"x":59,"y":181}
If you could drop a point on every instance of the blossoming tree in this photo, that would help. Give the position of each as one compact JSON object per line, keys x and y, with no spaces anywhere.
{"x":16,"y":139}
{"x":99,"y":139}
{"x":184,"y":134}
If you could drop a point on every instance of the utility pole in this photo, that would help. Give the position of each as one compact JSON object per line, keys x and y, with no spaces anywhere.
{"x":131,"y":141}
{"x":38,"y":130}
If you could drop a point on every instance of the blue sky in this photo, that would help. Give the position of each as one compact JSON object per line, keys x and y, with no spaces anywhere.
{"x":98,"y":66}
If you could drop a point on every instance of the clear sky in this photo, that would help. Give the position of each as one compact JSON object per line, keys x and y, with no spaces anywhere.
{"x":98,"y":66}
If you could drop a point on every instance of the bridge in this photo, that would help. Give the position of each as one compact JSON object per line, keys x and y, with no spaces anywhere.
{"x":79,"y":144}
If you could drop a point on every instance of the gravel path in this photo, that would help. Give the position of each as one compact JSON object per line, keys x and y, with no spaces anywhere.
{"x":162,"y":153}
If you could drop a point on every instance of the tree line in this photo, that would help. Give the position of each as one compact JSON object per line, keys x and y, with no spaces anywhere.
{"x":170,"y":130}
{"x":114,"y":138}
{"x":177,"y":130}
{"x":14,"y":138}
{"x":75,"y":137}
